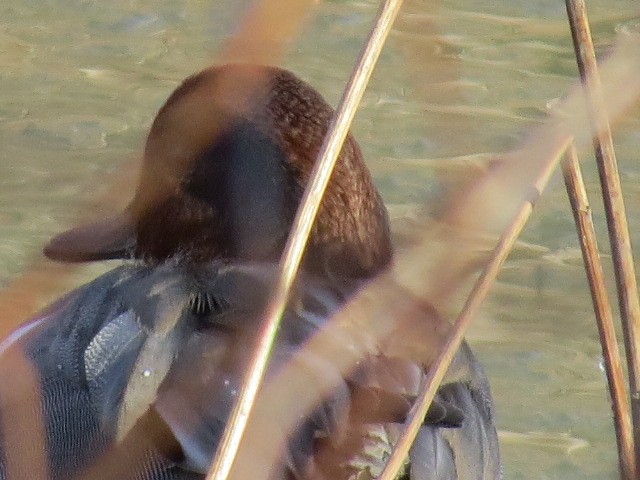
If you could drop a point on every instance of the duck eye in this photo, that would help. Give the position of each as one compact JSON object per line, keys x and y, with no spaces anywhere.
{"x":205,"y":303}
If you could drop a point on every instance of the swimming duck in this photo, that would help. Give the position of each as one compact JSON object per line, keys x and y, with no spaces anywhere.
{"x":144,"y":362}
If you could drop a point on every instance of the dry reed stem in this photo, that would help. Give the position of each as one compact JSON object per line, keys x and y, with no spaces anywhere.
{"x":299,"y":235}
{"x":602,"y":308}
{"x":418,"y":273}
{"x":24,"y":444}
{"x":613,"y":203}
{"x":478,"y":293}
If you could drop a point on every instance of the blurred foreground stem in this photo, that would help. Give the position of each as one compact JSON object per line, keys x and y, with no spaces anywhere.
{"x":477,"y":295}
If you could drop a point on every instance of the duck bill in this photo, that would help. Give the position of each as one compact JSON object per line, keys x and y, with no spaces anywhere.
{"x":107,"y":239}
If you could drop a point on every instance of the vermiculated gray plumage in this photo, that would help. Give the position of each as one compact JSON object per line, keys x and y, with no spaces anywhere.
{"x":138,"y":380}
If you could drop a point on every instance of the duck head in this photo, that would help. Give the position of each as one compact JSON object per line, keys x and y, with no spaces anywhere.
{"x":225,"y":166}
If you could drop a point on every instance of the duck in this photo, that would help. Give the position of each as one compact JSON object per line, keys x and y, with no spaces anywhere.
{"x":138,"y":370}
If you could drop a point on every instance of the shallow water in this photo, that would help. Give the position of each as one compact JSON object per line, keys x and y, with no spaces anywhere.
{"x":81,"y":82}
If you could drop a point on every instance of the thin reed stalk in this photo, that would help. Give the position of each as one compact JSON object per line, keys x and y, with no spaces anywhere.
{"x":602,"y":308}
{"x":439,"y":368}
{"x":613,"y":203}
{"x":390,"y":299}
{"x":297,"y":240}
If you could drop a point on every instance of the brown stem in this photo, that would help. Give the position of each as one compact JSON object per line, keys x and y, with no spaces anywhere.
{"x":602,"y":308}
{"x":613,"y":203}
{"x":294,"y":249}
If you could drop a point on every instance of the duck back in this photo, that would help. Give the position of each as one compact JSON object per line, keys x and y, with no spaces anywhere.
{"x":138,"y":371}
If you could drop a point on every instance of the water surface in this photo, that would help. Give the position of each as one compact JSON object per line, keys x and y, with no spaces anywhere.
{"x":81,"y":82}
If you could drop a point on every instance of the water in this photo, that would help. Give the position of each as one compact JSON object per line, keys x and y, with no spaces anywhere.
{"x":81,"y":82}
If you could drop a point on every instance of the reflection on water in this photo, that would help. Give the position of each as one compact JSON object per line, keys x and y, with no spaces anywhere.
{"x":82,"y":81}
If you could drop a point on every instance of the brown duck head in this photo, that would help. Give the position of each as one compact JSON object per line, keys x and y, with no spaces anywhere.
{"x":225,"y":165}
